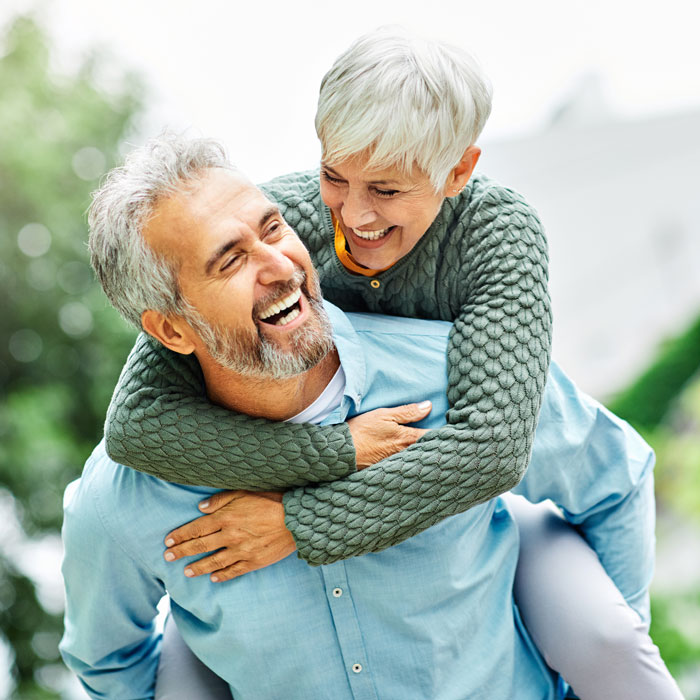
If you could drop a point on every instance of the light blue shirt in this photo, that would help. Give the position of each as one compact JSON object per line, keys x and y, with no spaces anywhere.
{"x":432,"y":617}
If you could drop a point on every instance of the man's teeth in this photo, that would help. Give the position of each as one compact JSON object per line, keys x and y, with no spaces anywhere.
{"x":370,"y":235}
{"x":281,"y":305}
{"x":288,"y":318}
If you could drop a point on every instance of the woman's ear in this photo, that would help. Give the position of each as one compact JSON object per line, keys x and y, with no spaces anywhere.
{"x":460,"y":174}
{"x":172,"y":332}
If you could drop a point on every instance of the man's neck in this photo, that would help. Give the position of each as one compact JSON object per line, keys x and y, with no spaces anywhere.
{"x":274,"y":399}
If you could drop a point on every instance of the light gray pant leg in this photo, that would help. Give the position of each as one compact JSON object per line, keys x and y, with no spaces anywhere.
{"x":181,"y":675}
{"x":578,"y":618}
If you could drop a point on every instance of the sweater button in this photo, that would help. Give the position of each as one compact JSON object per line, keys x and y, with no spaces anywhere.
{"x":375,"y":284}
{"x":357,"y":668}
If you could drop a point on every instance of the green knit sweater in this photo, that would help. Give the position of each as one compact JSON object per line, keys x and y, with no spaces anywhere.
{"x":483,"y":265}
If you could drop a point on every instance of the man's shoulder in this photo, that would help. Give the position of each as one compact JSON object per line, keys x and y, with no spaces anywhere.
{"x":120,"y":500}
{"x":381,"y":325}
{"x":399,"y":349}
{"x":399,"y":326}
{"x":84,"y":499}
{"x":570,"y":415}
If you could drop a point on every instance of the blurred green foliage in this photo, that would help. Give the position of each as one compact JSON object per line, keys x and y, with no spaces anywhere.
{"x":62,"y":345}
{"x":647,"y":400}
{"x":664,"y":405}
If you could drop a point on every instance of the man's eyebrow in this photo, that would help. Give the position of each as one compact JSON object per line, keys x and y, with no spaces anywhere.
{"x":219,"y":253}
{"x":272,"y":211}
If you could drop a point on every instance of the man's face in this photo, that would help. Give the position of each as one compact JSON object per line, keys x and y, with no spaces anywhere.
{"x":255,"y":298}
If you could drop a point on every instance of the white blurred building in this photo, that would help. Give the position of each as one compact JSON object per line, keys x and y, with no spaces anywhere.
{"x":620,"y":201}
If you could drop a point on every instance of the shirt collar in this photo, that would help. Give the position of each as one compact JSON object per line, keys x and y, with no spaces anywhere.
{"x":351,"y":353}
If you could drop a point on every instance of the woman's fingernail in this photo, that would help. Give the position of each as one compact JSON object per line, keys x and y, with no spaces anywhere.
{"x":204,"y":504}
{"x":169,"y":556}
{"x":423,"y":405}
{"x":169,"y":542}
{"x":214,"y":578}
{"x":189,"y":572}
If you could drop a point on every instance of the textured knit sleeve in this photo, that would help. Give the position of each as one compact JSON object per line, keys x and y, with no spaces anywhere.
{"x":498,"y":358}
{"x":160,"y":422}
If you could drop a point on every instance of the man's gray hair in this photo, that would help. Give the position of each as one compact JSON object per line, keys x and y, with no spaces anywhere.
{"x":133,"y":276}
{"x":409,"y":100}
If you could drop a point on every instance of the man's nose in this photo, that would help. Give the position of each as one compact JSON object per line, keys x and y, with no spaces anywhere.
{"x":275,"y":266}
{"x":357,"y":209}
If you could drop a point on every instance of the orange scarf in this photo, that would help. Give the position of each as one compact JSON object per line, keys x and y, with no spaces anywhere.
{"x":346,"y":259}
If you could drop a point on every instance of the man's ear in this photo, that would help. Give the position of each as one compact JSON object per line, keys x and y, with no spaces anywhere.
{"x":460,"y":174}
{"x":172,"y":332}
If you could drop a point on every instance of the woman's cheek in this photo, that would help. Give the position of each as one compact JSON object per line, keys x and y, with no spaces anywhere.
{"x":327,"y":195}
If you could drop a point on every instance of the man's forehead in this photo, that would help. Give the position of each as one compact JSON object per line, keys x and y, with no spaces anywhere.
{"x":217,"y":197}
{"x":219,"y":189}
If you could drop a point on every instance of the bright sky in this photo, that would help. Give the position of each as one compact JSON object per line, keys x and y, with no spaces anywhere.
{"x":248,"y":72}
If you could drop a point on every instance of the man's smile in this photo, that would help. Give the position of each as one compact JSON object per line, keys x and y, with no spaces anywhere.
{"x":282,"y":311}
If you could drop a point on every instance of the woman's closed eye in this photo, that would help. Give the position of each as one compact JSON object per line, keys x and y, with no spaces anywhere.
{"x":385,"y":193}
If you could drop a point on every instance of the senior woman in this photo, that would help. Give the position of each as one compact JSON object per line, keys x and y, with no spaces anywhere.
{"x":395,"y":223}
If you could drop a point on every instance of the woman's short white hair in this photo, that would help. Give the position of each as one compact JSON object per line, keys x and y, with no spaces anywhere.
{"x":133,"y":276}
{"x":404,"y":99}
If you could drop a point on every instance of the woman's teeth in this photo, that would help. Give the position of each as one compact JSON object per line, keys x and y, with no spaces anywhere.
{"x":371,"y":235}
{"x":280,"y":306}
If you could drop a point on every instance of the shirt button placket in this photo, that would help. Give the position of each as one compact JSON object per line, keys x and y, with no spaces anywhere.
{"x":348,"y":631}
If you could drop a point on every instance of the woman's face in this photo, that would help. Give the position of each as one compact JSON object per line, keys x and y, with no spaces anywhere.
{"x":383,"y":213}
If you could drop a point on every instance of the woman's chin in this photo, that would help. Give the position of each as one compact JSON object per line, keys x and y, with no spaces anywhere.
{"x":376,"y":254}
{"x":375,"y":260}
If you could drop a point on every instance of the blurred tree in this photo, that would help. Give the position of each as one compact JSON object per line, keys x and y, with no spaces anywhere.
{"x":664,"y":404}
{"x":647,"y":400}
{"x":61,"y":345}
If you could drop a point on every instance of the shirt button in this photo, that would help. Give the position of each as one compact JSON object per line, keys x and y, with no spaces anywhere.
{"x":375,"y":284}
{"x":337,"y":592}
{"x":356,"y":668}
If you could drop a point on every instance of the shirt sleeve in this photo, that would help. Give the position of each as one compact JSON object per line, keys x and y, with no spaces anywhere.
{"x":160,"y":422}
{"x":599,"y":471}
{"x":498,"y":357}
{"x":110,"y":640}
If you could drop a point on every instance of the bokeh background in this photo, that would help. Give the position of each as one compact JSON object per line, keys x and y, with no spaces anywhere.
{"x":596,"y":120}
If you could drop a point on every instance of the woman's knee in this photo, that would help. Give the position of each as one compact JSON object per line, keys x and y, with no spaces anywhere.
{"x":614,"y":636}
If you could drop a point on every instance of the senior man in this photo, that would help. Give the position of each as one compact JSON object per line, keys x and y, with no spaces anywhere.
{"x":432,"y":617}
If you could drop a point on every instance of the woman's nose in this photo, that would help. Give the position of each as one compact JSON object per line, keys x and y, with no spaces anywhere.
{"x":357,"y":210}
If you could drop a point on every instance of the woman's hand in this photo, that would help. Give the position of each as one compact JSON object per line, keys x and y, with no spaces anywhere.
{"x":246,"y":528}
{"x":381,"y":433}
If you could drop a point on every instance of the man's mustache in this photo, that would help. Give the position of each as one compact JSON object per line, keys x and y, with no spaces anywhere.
{"x":282,"y":289}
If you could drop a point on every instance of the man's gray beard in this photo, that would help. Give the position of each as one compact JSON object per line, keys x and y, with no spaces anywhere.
{"x":252,"y":354}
